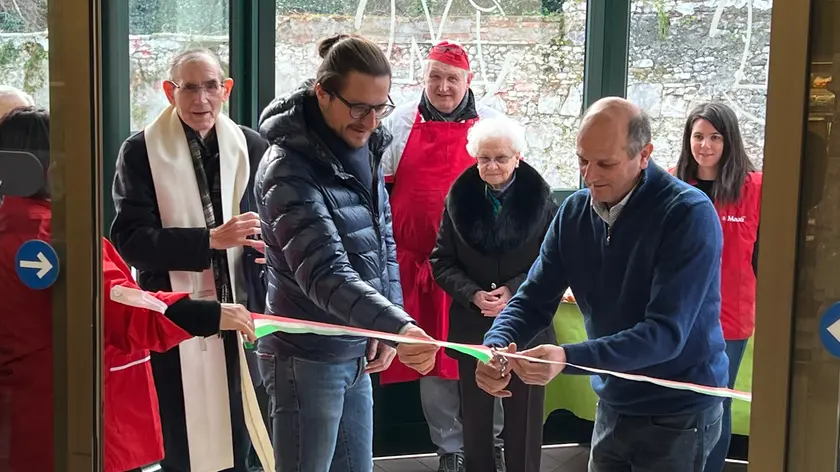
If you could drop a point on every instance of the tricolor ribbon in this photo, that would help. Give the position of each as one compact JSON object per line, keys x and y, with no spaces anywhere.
{"x":267,"y":324}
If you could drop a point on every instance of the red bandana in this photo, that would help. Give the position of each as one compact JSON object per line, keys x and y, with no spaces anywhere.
{"x":450,"y":53}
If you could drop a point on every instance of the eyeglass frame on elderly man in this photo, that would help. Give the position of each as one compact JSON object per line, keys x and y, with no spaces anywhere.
{"x":196,"y":89}
{"x":500,"y":160}
{"x":366,"y":108}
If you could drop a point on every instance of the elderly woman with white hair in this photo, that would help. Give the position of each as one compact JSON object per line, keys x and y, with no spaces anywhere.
{"x":496,"y":215}
{"x":12,"y":98}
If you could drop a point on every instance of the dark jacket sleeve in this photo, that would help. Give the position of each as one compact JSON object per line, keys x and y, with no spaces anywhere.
{"x":303,"y":227}
{"x":197,"y":317}
{"x":515,"y":282}
{"x":395,"y":293}
{"x":254,"y":272}
{"x":136,"y":231}
{"x":446,"y":267}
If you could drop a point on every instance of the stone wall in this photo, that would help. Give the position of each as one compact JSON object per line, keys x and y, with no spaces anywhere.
{"x":679,"y":57}
{"x":529,"y":67}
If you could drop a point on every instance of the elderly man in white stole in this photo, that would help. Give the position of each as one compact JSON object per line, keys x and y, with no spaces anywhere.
{"x":182,"y":192}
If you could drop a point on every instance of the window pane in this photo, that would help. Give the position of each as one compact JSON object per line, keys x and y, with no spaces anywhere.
{"x":527,"y":57}
{"x":23,"y":48}
{"x":160,"y":29}
{"x":681,"y":55}
{"x":684,"y":53}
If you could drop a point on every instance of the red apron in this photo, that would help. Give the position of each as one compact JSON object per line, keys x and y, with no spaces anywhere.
{"x":434,"y":156}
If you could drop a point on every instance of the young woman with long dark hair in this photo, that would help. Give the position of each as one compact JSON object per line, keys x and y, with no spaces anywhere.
{"x":714,"y":160}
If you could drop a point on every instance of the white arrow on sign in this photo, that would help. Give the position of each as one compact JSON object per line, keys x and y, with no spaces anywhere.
{"x":42,"y":264}
{"x":834,"y":329}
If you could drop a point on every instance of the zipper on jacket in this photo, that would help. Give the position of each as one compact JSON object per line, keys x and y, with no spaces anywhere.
{"x":375,"y":163}
{"x":375,"y":203}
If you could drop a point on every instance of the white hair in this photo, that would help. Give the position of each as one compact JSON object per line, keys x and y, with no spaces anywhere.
{"x":427,"y":67}
{"x":23,"y":96}
{"x":194,"y":55}
{"x":500,"y":127}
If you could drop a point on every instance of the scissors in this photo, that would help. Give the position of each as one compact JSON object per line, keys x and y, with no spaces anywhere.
{"x":503,"y":362}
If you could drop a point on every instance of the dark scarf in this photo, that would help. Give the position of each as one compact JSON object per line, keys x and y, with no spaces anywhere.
{"x":208,"y":194}
{"x":496,"y":197}
{"x":465,"y":110}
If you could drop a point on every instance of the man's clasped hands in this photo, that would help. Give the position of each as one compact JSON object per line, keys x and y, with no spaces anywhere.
{"x":493,"y":376}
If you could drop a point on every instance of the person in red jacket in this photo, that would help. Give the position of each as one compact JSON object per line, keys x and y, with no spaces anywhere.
{"x":714,"y":160}
{"x":131,"y":419}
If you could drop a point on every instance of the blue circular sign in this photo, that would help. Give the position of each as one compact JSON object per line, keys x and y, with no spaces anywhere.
{"x":36,"y":264}
{"x":830,"y":329}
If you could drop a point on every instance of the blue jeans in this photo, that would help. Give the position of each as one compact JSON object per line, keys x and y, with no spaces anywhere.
{"x":321,"y":413}
{"x":622,"y":443}
{"x":717,"y":459}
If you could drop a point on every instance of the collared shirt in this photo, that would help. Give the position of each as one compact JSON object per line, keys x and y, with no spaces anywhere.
{"x":610,"y":214}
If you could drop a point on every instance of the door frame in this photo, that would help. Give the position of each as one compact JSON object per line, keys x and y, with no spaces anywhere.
{"x":787,"y":99}
{"x":75,"y":174}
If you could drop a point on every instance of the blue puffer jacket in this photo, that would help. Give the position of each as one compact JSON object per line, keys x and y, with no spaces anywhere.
{"x":330,"y":248}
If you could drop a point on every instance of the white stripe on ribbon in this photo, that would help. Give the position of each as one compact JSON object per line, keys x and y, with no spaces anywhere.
{"x":130,"y":364}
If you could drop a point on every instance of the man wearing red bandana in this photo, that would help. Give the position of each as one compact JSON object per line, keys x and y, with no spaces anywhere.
{"x":427,"y":155}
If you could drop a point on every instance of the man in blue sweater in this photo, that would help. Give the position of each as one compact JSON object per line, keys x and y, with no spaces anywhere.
{"x":641,"y":251}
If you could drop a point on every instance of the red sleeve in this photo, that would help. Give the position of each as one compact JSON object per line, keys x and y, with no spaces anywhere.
{"x":129,"y":328}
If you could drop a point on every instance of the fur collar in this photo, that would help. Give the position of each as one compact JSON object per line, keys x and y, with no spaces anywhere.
{"x":523,"y":211}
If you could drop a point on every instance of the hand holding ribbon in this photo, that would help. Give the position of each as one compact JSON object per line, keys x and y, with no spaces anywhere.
{"x":418,"y":355}
{"x":493,"y":376}
{"x":539,"y":373}
{"x":417,"y":350}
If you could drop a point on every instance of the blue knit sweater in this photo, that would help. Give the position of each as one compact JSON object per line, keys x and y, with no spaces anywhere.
{"x":650,"y":297}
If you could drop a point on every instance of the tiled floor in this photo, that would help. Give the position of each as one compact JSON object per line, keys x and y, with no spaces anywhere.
{"x":554,"y":459}
{"x":570,"y":458}
{"x":558,"y":459}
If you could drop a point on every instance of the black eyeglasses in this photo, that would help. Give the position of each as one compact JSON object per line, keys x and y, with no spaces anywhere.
{"x":360,"y":110}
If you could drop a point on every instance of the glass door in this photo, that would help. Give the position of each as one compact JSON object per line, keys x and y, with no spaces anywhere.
{"x":74,"y":46}
{"x":797,"y":378}
{"x":50,"y":247}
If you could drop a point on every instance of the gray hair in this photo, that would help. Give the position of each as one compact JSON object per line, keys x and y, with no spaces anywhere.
{"x":496,"y":127}
{"x":194,"y":55}
{"x":23,"y":96}
{"x":427,"y":65}
{"x":638,"y":133}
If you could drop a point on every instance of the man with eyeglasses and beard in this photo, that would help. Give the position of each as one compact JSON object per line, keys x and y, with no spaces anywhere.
{"x":184,"y":219}
{"x":428,"y":153}
{"x":330,"y":257}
